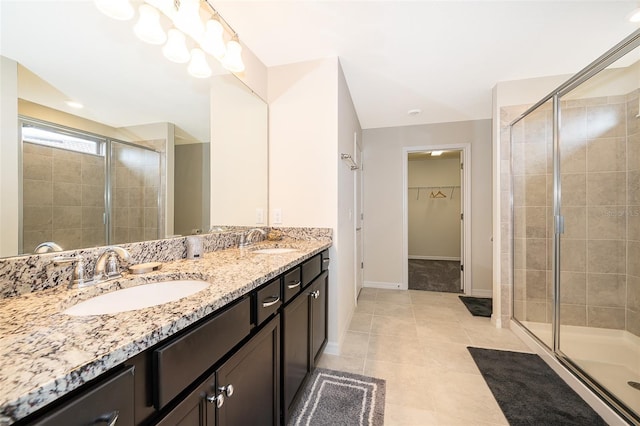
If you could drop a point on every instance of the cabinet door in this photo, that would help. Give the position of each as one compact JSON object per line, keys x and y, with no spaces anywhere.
{"x":319,"y":299}
{"x":195,"y":409}
{"x":250,"y":380}
{"x":295,"y":349}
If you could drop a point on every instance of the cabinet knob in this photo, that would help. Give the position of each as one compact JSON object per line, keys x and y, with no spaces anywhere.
{"x":227,"y":390}
{"x":217,"y":399}
{"x":109,"y":419}
{"x":315,"y":294}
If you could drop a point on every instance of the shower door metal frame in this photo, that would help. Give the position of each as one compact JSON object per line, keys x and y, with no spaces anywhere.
{"x":618,"y":51}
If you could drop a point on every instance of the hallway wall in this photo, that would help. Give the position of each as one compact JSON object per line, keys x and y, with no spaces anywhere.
{"x":383,"y":190}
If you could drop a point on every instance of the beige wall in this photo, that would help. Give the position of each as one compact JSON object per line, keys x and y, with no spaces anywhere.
{"x":9,"y":158}
{"x":433,"y":223}
{"x":383,"y":191}
{"x":312,"y":120}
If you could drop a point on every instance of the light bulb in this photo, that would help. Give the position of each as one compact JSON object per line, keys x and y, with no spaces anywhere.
{"x":175,"y":49}
{"x":188,"y":20}
{"x":148,"y":27}
{"x":232,"y":59}
{"x":198,"y":67}
{"x":116,"y":9}
{"x":212,"y":41}
{"x":165,"y":6}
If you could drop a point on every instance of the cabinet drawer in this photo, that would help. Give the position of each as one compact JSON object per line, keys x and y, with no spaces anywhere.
{"x":110,"y":398}
{"x":325,"y":260}
{"x":268,"y":300}
{"x":291,"y":284}
{"x":178,"y":363}
{"x":311,"y":269}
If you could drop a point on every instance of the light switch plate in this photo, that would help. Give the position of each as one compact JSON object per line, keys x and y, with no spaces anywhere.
{"x":259,"y":216}
{"x":277,"y":216}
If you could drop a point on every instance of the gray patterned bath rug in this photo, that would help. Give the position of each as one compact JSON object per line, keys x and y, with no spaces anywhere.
{"x":339,"y":398}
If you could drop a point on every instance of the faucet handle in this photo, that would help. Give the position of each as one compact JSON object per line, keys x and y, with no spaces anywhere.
{"x":78,"y":276}
{"x":112,"y":265}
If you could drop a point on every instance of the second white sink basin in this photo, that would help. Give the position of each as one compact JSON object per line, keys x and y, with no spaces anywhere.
{"x":139,"y":297}
{"x":274,"y":250}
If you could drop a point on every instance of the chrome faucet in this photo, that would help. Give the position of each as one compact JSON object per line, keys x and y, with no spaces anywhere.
{"x":246,"y":239}
{"x":107,"y":263}
{"x":78,"y":279}
{"x":47,"y":247}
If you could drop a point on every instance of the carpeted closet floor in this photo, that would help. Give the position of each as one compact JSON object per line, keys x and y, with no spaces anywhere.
{"x":434,"y":275}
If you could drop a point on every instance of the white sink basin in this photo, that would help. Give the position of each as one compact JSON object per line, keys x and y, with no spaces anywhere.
{"x":133,"y":298}
{"x":274,"y":250}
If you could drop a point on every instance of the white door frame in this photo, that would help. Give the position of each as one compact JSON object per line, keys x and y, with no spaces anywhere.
{"x":465,"y":149}
{"x":358,"y":205}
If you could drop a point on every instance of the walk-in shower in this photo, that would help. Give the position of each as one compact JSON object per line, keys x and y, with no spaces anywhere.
{"x":575,"y":167}
{"x":81,"y":189}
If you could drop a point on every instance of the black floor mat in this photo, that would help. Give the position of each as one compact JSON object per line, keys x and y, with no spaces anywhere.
{"x":478,"y":306}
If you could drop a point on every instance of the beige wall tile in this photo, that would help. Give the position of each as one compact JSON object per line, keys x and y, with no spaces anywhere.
{"x":607,"y":256}
{"x":633,"y":293}
{"x":606,"y":121}
{"x":37,"y":192}
{"x":606,"y":155}
{"x":33,"y":148}
{"x":31,"y":239}
{"x":67,"y":217}
{"x":535,"y":190}
{"x":120,"y":235}
{"x":93,"y":170}
{"x":633,"y":254}
{"x":136,"y":217}
{"x":606,"y":317}
{"x":37,"y":167}
{"x":536,"y":288}
{"x":573,"y":314}
{"x":136,"y":197}
{"x":121,"y":217}
{"x":607,"y":222}
{"x":536,"y":254}
{"x":575,"y":222}
{"x":574,"y":126}
{"x":633,"y":152}
{"x":136,"y":234}
{"x":536,"y":311}
{"x":606,"y":189}
{"x":92,"y":237}
{"x":536,"y":222}
{"x":573,"y":288}
{"x":121,"y":197}
{"x":150,"y":234}
{"x":574,"y":255}
{"x":633,"y":322}
{"x":633,"y":223}
{"x":633,"y":189}
{"x":67,"y":155}
{"x":574,"y":189}
{"x":67,"y":194}
{"x":37,"y":217}
{"x":93,"y":196}
{"x":151,"y":217}
{"x":69,"y":238}
{"x":608,"y":290}
{"x":534,"y":158}
{"x":65,"y":170}
{"x":92,"y":217}
{"x":573,"y":156}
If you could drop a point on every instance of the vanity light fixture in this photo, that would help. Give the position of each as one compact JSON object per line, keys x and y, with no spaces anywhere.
{"x":186,"y":19}
{"x":436,"y":153}
{"x":634,"y":16}
{"x":148,"y":28}
{"x":121,"y":10}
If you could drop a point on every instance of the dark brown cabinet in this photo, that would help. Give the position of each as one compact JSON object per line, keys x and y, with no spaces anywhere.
{"x":107,"y":402}
{"x":250,"y":381}
{"x":318,"y":292}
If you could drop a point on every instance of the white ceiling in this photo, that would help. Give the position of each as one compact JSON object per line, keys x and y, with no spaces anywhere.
{"x":443,"y":57}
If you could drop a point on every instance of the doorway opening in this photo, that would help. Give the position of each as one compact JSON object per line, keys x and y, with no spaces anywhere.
{"x":436,"y":198}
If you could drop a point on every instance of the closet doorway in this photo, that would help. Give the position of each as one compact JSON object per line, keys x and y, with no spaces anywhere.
{"x":436,"y":198}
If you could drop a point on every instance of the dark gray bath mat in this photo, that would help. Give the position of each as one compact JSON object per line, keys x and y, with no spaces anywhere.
{"x":529,"y":392}
{"x":338,"y":398}
{"x":478,"y":306}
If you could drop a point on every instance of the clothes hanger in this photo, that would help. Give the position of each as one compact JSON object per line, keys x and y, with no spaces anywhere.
{"x":439,"y":194}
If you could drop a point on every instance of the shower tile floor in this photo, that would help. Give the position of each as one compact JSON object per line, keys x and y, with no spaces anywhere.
{"x":416,"y":341}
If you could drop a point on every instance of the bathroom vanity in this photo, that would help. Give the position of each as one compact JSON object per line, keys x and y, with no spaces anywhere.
{"x":237,"y":353}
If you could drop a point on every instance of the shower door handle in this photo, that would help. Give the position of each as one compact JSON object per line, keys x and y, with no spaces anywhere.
{"x":559,"y":224}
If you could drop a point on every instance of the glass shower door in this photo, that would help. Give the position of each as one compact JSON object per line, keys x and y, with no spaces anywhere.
{"x":599,"y":143}
{"x":531,"y":145}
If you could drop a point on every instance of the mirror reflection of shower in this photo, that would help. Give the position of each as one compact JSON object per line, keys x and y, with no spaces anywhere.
{"x":81,"y":190}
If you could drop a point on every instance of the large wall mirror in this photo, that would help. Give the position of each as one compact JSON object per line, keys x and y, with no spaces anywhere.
{"x":153,"y":152}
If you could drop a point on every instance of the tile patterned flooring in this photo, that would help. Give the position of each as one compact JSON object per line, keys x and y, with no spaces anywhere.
{"x":417,"y":341}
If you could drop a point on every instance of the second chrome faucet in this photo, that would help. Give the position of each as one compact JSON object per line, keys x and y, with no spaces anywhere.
{"x":106,"y":267}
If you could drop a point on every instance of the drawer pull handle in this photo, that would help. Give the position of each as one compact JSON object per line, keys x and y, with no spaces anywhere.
{"x":274,"y":299}
{"x":315,"y":294}
{"x":295,"y":284}
{"x":227,"y":390}
{"x":217,"y":399}
{"x":109,"y":419}
{"x":325,"y":260}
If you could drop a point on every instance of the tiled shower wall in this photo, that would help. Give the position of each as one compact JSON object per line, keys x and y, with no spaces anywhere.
{"x":600,"y":252}
{"x":63,"y":198}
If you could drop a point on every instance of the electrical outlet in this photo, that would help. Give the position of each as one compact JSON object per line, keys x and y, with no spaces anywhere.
{"x":259,"y":216}
{"x":277,"y":216}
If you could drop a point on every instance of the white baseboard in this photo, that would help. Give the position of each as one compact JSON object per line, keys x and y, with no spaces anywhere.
{"x":332,"y":348}
{"x":456,"y":259}
{"x":481,"y":293}
{"x":377,"y":284}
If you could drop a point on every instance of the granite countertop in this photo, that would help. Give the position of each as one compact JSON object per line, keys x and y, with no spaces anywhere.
{"x":44,"y":353}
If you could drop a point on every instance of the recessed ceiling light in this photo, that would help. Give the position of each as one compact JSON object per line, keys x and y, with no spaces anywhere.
{"x":74,"y":104}
{"x":414,"y":111}
{"x":436,"y":153}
